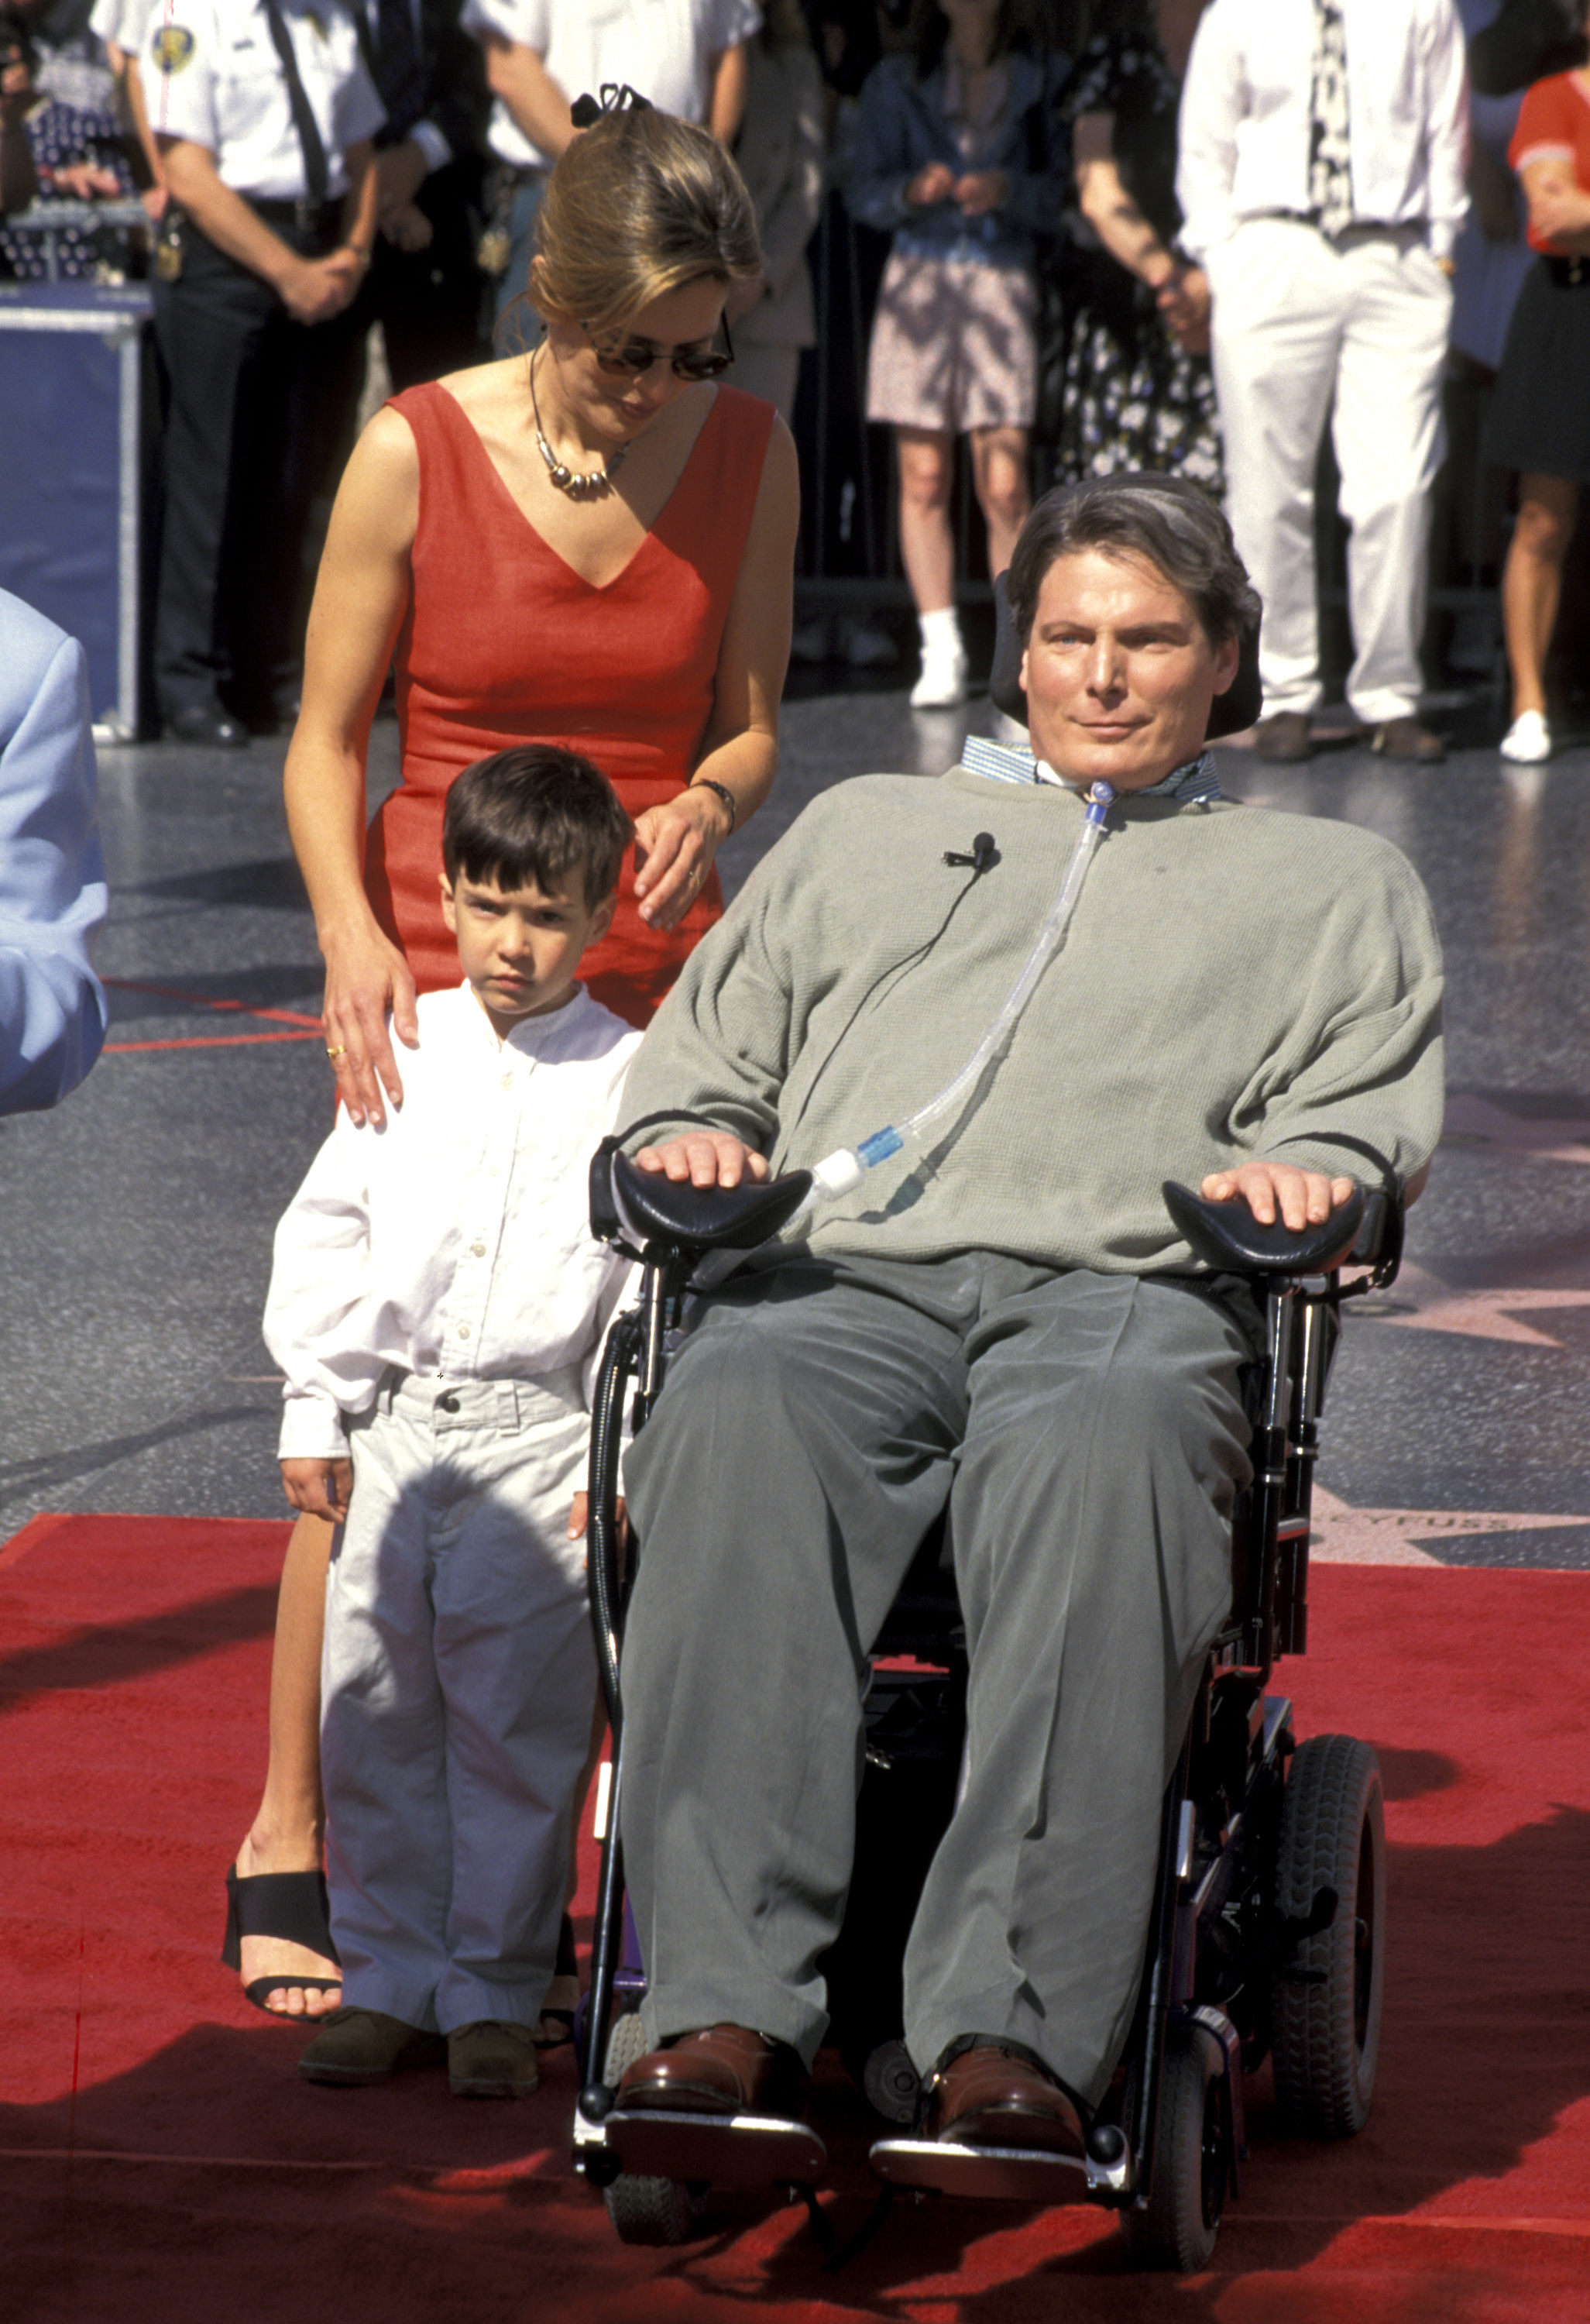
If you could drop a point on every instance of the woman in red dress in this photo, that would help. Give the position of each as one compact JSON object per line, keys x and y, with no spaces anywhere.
{"x":591,"y":545}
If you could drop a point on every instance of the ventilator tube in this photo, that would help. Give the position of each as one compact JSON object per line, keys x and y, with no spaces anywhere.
{"x":841,"y":1172}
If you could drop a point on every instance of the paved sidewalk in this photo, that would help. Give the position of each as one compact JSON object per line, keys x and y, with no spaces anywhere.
{"x":138,"y":1219}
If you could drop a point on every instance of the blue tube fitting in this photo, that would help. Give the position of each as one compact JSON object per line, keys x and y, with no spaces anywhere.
{"x":879,"y":1147}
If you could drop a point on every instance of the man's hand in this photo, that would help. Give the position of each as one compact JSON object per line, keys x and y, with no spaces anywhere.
{"x":408,"y":229}
{"x":1305,"y":1198}
{"x":83,"y":182}
{"x":314,"y":290}
{"x":319,"y":1486}
{"x":707,"y":1157}
{"x":1183,"y":299}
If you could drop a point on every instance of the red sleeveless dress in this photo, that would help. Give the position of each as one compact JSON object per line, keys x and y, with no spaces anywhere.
{"x":504,"y":643}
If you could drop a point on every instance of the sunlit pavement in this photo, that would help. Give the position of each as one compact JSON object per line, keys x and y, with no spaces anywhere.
{"x":138,"y":1220}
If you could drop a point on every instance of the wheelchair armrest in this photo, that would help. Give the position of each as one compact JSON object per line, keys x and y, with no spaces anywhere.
{"x":644,"y":1207}
{"x":1228,"y":1238}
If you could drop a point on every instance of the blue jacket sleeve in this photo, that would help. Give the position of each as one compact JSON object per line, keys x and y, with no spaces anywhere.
{"x":52,"y":892}
{"x":889,"y":150}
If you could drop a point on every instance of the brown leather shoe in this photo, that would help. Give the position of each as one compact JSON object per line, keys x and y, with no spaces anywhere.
{"x":989,"y":2097}
{"x":1285,"y":735}
{"x":723,"y":2069}
{"x":1405,"y":738}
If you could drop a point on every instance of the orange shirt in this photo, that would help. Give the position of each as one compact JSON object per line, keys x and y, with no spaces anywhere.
{"x":1554,"y":125}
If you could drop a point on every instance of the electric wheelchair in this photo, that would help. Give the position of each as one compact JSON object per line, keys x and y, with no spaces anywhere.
{"x":1267,"y":1933}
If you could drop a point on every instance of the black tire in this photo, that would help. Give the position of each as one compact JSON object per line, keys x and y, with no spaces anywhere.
{"x":1326,"y":2042}
{"x":1178,"y":2225}
{"x":647,"y":2210}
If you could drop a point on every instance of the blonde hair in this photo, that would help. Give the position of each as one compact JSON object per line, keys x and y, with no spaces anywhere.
{"x":639,"y":205}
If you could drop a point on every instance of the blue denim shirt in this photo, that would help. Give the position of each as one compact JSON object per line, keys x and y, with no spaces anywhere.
{"x":901,"y":125}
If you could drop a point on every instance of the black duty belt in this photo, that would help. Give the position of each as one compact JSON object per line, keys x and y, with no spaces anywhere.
{"x":322,"y":220}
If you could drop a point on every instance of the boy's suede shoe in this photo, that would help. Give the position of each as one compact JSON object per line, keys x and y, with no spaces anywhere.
{"x":354,"y":2046}
{"x":491,"y":2059}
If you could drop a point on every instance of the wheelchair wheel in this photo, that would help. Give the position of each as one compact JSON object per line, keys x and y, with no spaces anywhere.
{"x":1327,"y":2038}
{"x":1187,"y":2191}
{"x":647,"y":2210}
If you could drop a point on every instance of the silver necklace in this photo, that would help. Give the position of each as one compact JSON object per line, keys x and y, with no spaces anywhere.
{"x":595,"y":483}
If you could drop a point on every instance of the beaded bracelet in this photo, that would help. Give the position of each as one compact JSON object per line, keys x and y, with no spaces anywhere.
{"x":706,"y":783}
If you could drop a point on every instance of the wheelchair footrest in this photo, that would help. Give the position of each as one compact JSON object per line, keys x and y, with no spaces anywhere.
{"x":734,"y":2150}
{"x":999,"y":2174}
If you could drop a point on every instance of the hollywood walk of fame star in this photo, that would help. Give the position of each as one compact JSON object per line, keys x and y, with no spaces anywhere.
{"x":1344,"y":1535}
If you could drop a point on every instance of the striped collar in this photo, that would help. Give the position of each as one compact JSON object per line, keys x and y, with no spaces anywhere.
{"x":1196,"y":780}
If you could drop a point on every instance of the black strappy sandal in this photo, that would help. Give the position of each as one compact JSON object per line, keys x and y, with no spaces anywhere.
{"x":567,"y":1964}
{"x":292,"y":1906}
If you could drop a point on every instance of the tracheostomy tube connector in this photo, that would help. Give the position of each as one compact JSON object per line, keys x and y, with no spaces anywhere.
{"x":842,"y":1170}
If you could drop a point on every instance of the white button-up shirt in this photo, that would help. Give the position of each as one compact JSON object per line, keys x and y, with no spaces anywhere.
{"x":662,"y":48}
{"x":1245,"y":126}
{"x":456,"y":1240}
{"x":211,"y":74}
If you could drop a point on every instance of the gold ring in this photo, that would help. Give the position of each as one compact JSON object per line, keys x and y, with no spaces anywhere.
{"x":341,"y":1050}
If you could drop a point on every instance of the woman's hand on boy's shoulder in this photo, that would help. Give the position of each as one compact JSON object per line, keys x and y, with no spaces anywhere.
{"x":319,"y":1486}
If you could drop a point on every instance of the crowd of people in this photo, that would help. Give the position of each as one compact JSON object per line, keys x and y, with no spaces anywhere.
{"x":1084,"y":235}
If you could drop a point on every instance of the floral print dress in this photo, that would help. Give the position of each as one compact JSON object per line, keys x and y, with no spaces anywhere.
{"x":1134,"y":399}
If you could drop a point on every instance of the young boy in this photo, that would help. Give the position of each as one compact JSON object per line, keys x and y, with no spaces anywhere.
{"x":438,"y":1306}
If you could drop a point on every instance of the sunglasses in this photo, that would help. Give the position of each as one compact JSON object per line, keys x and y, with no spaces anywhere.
{"x":638,"y":356}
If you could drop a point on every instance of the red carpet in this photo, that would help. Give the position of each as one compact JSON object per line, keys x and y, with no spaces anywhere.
{"x":160,"y":2160}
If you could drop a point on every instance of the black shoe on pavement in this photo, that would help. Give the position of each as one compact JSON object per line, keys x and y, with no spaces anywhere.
{"x":1283,"y":736}
{"x":1405,"y":738}
{"x":202,"y":721}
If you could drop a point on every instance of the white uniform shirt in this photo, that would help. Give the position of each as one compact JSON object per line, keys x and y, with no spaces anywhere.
{"x":212,"y":75}
{"x":1244,"y":125}
{"x":454,"y":1241}
{"x":124,"y":21}
{"x":660,"y":46}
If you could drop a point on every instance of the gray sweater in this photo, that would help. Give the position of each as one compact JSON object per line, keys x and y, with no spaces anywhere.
{"x":1236,"y":982}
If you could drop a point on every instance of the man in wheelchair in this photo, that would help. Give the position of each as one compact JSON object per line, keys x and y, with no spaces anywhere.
{"x":1000,"y":1323}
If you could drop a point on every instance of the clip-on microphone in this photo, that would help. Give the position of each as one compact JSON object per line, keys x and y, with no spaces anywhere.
{"x":983,"y":854}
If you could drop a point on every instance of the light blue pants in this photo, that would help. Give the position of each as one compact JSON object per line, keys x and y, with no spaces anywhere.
{"x":457,"y":1686}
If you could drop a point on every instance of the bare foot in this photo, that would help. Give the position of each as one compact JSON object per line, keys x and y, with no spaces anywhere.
{"x":278,"y":1956}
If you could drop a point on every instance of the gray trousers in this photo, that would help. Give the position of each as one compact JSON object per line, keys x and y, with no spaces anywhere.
{"x":457,"y":1684}
{"x":1088,"y":1434}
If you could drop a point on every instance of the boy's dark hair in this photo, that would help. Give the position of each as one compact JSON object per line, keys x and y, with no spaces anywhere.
{"x":530,"y":815}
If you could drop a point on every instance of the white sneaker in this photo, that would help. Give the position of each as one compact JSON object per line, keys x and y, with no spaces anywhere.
{"x":1527,"y":741}
{"x":942,"y":683}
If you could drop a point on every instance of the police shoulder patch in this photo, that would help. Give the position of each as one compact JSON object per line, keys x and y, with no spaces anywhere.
{"x":171,"y":47}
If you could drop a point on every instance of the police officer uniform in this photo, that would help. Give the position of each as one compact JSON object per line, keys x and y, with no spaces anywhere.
{"x":431,"y":77}
{"x":258,"y":404}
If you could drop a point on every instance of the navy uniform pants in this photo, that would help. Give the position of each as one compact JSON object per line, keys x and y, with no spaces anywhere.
{"x":259,"y":416}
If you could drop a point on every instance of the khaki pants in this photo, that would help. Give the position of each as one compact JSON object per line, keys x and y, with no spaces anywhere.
{"x":457,"y":1686}
{"x":1296,"y":322}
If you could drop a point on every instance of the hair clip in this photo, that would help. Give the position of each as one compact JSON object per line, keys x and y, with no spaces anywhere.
{"x":617,"y":96}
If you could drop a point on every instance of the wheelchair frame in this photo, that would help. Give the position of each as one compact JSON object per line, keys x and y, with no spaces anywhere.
{"x":1224,"y":1942}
